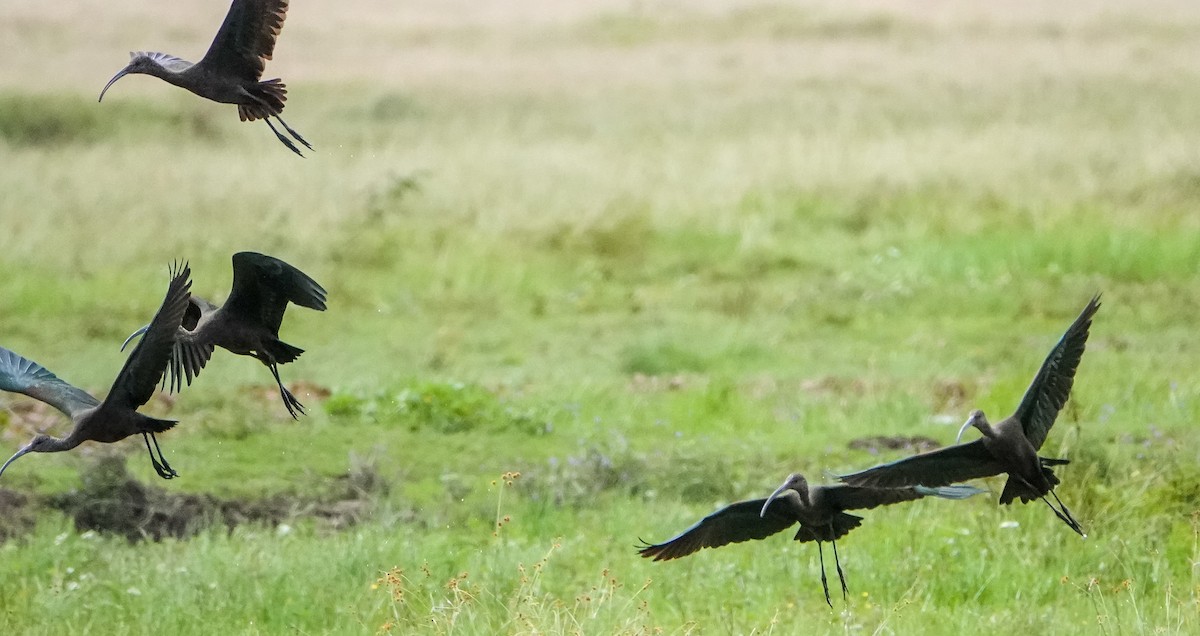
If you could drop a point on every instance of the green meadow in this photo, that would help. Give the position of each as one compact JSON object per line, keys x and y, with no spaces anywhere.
{"x":596,"y":269}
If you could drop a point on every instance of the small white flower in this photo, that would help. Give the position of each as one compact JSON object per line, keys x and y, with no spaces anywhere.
{"x":133,"y":591}
{"x":1007,"y":525}
{"x":283,"y":530}
{"x":60,"y":538}
{"x":72,"y":586}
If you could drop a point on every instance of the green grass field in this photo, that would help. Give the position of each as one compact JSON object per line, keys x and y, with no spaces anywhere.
{"x":652,"y":256}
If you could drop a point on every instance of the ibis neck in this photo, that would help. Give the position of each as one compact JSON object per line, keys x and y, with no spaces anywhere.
{"x":971,"y":424}
{"x":161,"y":72}
{"x":67,"y":443}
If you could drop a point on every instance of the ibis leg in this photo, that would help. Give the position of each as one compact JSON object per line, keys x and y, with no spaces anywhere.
{"x":293,"y":133}
{"x":1064,"y":513}
{"x":1055,"y":511}
{"x":824,"y":582}
{"x":163,"y":469}
{"x":284,"y":140}
{"x":162,"y":458}
{"x":293,"y":405}
{"x":841,"y":576}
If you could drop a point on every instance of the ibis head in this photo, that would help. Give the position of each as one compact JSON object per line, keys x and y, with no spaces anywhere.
{"x":39,"y":444}
{"x":977,"y":420}
{"x":138,"y":63}
{"x":795,"y":482}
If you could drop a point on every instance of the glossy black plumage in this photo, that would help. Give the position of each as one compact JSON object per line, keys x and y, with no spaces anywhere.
{"x":116,"y":417}
{"x":230,"y":71}
{"x":1008,"y":447}
{"x":820,"y":511}
{"x":248,"y":323}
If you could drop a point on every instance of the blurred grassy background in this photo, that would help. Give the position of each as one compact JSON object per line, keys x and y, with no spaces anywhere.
{"x":652,"y":255}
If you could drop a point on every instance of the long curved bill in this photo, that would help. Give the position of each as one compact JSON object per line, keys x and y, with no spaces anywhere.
{"x":957,"y":440}
{"x":122,"y":73}
{"x":134,"y":335}
{"x":14,"y":458}
{"x":775,"y":494}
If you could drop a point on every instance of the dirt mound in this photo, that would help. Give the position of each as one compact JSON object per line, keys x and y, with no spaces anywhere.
{"x":110,"y":501}
{"x":16,"y":514}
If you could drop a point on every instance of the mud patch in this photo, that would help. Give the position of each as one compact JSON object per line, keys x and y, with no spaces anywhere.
{"x":17,"y":514}
{"x":112,"y":502}
{"x":876,"y":443}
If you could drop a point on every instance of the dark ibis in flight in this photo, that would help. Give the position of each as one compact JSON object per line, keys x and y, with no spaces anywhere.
{"x":247,"y":324}
{"x":116,"y":417}
{"x":820,"y":511}
{"x":1010,"y":446}
{"x":231,"y":71}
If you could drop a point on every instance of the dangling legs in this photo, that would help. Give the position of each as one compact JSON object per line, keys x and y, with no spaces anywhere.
{"x":163,"y":469}
{"x":1065,"y":514}
{"x":293,"y":405}
{"x":272,"y":108}
{"x":162,"y":458}
{"x":294,"y":133}
{"x":1033,"y":491}
{"x":1057,"y":513}
{"x":1067,"y":511}
{"x":287,"y":142}
{"x":824,"y":583}
{"x":841,"y":576}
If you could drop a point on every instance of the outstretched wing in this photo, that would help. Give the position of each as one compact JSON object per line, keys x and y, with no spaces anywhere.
{"x":935,"y":468}
{"x":23,"y":375}
{"x":732,"y":524}
{"x":145,"y":366}
{"x":1051,"y":387}
{"x":264,"y":285}
{"x":188,"y":357}
{"x":246,"y":39}
{"x":859,"y":497}
{"x":863,"y":498}
{"x":192,"y":350}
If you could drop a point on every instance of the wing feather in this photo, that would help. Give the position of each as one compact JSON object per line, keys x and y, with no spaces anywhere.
{"x":934,"y":468}
{"x":864,"y":498}
{"x":264,"y":285}
{"x":188,"y":357}
{"x":1051,"y":387}
{"x":246,"y":39}
{"x":733,"y":524}
{"x":145,"y":366}
{"x":22,"y":375}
